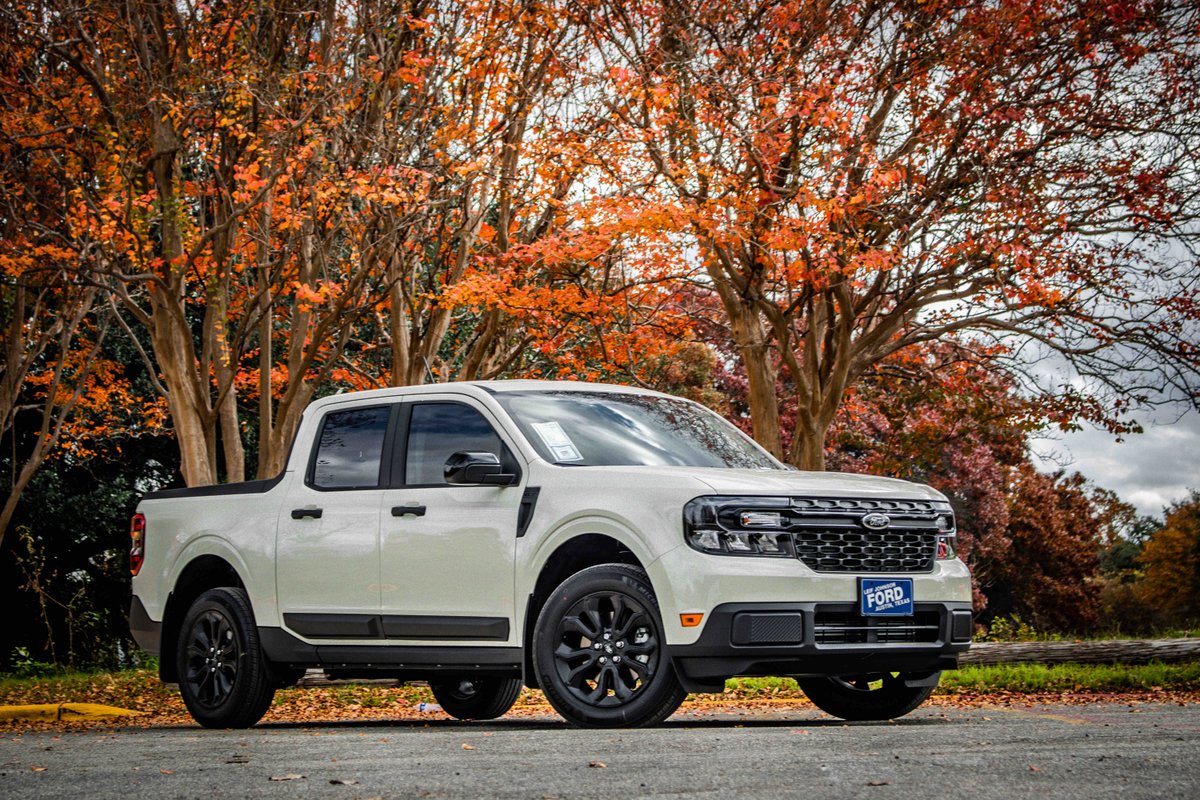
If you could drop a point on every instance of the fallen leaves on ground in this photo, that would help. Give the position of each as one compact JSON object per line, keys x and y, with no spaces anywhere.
{"x":142,"y":691}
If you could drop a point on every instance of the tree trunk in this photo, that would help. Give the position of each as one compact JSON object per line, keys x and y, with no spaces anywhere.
{"x":754,"y":348}
{"x":1127,"y":651}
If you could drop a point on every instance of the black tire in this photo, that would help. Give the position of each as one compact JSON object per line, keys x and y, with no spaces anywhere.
{"x":223,"y":674}
{"x":599,"y":651}
{"x":877,"y":696}
{"x":476,"y":697}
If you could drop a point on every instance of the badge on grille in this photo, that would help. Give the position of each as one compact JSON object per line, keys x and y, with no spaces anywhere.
{"x":875,"y":522}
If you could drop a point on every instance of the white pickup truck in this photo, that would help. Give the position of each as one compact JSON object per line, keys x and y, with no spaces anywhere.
{"x":615,"y":547}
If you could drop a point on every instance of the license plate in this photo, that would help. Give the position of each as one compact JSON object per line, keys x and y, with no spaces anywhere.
{"x":885,"y":597}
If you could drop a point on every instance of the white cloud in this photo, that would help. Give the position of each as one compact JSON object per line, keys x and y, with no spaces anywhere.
{"x":1149,"y":470}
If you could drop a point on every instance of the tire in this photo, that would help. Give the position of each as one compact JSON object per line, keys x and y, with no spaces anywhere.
{"x":599,"y":651}
{"x":878,"y":696}
{"x":223,"y":674}
{"x":476,"y":697}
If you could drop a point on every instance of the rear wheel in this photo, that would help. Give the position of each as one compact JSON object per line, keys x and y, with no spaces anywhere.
{"x":600,"y":654}
{"x":477,"y":697}
{"x":222,"y":671}
{"x":875,"y":696}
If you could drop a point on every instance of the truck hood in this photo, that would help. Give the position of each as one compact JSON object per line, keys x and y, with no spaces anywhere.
{"x":827,"y":484}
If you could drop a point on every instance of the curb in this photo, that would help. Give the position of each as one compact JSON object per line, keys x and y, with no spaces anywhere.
{"x":58,"y":712}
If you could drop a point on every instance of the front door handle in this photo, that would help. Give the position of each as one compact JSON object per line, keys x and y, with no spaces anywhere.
{"x":301,"y":513}
{"x":403,"y":511}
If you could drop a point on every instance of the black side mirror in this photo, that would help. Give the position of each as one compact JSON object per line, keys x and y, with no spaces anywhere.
{"x":466,"y":469}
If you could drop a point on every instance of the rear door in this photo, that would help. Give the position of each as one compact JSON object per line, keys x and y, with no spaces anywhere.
{"x":327,"y":549}
{"x":447,"y":552}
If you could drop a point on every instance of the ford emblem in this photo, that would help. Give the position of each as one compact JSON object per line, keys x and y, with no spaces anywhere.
{"x":875,"y":522}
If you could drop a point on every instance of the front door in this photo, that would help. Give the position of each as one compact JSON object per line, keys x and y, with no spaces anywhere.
{"x":447,"y":552}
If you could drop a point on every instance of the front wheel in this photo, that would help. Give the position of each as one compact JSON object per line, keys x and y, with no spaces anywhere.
{"x":876,"y":696}
{"x":600,"y":654}
{"x":222,"y":672}
{"x":476,"y":697}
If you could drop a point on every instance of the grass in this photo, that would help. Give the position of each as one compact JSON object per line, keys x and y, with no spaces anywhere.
{"x":1020,"y":679}
{"x":1038,"y":678}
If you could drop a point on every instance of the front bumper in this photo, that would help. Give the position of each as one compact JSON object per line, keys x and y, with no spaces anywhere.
{"x":820,"y":639}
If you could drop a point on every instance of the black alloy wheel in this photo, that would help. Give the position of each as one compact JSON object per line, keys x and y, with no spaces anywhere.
{"x":600,"y":654}
{"x":476,"y":697}
{"x":223,"y":675}
{"x":213,"y":656}
{"x":876,"y":696}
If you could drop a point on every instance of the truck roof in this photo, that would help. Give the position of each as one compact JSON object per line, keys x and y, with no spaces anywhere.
{"x":490,"y":387}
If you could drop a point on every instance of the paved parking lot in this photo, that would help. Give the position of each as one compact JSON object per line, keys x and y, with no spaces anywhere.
{"x":1094,"y":751}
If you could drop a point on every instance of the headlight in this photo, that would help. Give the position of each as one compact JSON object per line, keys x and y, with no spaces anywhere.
{"x":738,"y":526}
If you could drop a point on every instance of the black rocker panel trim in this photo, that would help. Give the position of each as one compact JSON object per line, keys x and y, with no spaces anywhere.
{"x":397,"y":626}
{"x":429,"y":628}
{"x":282,"y":647}
{"x":335,"y":626}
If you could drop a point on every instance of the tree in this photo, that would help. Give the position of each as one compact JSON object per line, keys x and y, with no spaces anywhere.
{"x":1171,"y":558}
{"x":863,"y":178}
{"x":283,"y":198}
{"x":50,"y":350}
{"x":52,"y":324}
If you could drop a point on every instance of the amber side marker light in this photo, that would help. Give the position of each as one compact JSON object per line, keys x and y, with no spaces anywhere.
{"x":690,"y":620}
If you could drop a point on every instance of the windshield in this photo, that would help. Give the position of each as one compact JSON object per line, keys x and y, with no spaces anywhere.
{"x":594,"y":429}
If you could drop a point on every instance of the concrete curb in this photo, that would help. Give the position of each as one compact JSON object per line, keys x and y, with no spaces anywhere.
{"x":57,"y":712}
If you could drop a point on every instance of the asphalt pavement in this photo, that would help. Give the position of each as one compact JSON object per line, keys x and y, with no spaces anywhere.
{"x":1093,"y":751}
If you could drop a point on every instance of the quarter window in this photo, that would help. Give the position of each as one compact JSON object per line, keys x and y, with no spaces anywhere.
{"x":438,"y":431}
{"x":349,"y":449}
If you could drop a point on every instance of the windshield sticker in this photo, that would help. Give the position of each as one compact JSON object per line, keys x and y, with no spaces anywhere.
{"x":557,"y":441}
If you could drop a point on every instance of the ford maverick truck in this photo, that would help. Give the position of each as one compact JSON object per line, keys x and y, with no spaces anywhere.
{"x":616,"y":548}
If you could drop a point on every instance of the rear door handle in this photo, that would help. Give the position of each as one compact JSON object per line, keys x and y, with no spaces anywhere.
{"x":301,"y":513}
{"x":403,"y":511}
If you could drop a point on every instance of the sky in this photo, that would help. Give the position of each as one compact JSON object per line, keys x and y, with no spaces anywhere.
{"x":1148,"y":470}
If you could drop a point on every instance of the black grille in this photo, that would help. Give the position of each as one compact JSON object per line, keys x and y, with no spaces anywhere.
{"x":866,"y":551}
{"x":846,"y":627}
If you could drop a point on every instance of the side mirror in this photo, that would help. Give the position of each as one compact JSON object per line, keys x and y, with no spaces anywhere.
{"x":468,"y":469}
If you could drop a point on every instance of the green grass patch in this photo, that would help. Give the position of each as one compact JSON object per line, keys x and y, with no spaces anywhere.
{"x":1032,"y":678}
{"x":1019,"y":679}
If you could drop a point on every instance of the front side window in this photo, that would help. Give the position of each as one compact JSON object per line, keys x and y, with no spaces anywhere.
{"x":349,"y":449}
{"x":437,"y":431}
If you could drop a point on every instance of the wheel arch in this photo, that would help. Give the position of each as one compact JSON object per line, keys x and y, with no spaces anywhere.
{"x":579,"y":552}
{"x":201,"y":574}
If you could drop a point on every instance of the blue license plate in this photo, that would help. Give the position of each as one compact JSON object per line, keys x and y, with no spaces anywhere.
{"x":885,"y":597}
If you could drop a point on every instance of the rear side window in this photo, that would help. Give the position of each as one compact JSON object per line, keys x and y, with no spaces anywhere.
{"x":438,"y":431}
{"x":349,"y":449}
